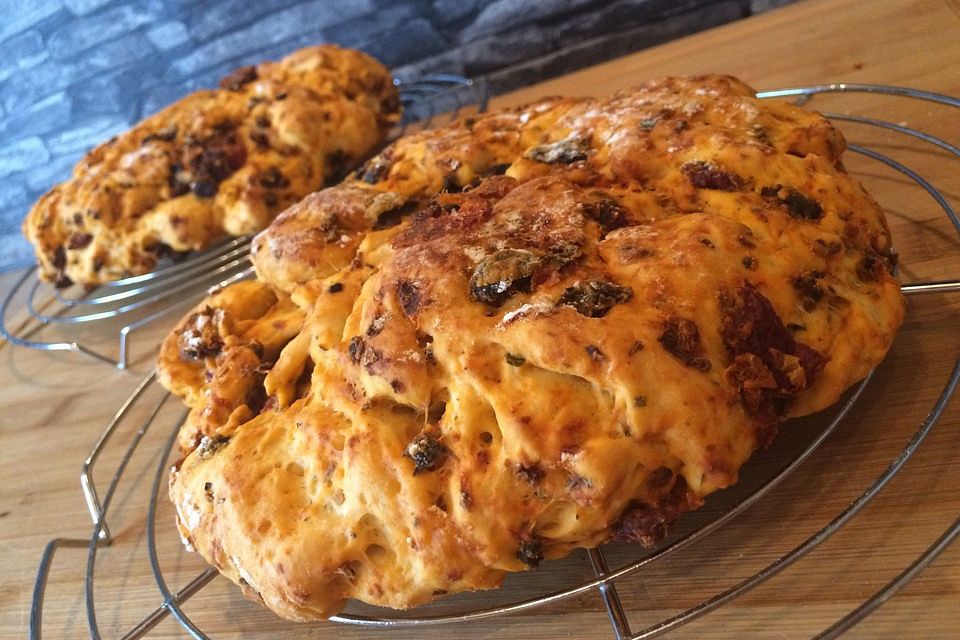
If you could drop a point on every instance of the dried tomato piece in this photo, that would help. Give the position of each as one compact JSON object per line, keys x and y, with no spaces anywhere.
{"x":769,"y":366}
{"x":80,"y":241}
{"x":408,"y":295}
{"x":706,"y":175}
{"x":213,"y":159}
{"x":681,"y":338}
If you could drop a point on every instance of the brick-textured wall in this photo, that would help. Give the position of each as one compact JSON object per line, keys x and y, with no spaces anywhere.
{"x":75,"y":72}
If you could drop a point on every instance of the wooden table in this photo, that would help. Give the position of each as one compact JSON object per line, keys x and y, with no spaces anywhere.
{"x":54,"y":406}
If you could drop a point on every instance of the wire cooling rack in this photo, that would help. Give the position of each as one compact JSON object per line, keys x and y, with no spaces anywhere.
{"x":126,"y":305}
{"x":604,"y":580}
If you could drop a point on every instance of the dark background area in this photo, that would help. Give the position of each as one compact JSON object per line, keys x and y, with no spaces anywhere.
{"x":76,"y":72}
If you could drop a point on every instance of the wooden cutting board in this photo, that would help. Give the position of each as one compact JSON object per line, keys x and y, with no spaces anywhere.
{"x":54,"y":405}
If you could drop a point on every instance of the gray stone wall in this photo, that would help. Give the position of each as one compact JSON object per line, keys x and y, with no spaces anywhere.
{"x":75,"y":72}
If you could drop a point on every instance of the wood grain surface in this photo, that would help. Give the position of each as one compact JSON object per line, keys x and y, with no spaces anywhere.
{"x":54,"y":406}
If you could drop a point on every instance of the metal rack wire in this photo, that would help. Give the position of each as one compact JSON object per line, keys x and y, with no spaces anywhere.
{"x":129,"y":304}
{"x":605,"y":580}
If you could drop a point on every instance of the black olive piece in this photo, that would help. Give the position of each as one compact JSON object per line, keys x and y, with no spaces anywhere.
{"x":530,"y":552}
{"x":426,"y":452}
{"x":376,"y":326}
{"x":451,"y":184}
{"x":798,"y":205}
{"x":560,"y":152}
{"x":201,"y":339}
{"x":393,"y":217}
{"x":337,"y":167}
{"x":356,"y":348}
{"x":273,"y":179}
{"x":209,"y":445}
{"x":514,"y":360}
{"x":594,"y":298}
{"x":611,"y":215}
{"x":809,"y":289}
{"x":802,"y":207}
{"x":203,"y":189}
{"x":501,"y":274}
{"x":374,"y":170}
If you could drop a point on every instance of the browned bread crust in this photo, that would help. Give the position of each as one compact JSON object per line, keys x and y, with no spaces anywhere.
{"x":216,"y":163}
{"x":576,"y":351}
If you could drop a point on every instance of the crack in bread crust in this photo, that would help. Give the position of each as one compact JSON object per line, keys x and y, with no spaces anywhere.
{"x":552,"y":349}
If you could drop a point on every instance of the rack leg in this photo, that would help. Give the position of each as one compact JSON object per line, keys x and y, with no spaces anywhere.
{"x":621,"y":627}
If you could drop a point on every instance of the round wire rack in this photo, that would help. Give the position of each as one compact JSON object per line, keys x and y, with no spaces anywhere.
{"x":604,"y":579}
{"x":124,"y":306}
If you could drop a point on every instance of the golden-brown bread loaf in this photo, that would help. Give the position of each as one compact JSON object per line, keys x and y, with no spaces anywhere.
{"x":576,"y":351}
{"x":220,"y":162}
